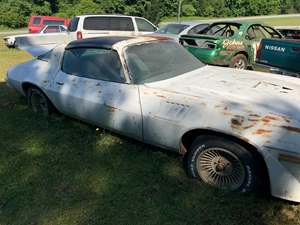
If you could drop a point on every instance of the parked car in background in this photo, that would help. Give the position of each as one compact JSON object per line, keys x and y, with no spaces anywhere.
{"x":237,"y":128}
{"x":290,"y":32}
{"x":10,"y":41}
{"x":174,"y":30}
{"x":37,"y":23}
{"x":232,"y":44}
{"x":105,"y":25}
{"x":280,"y":56}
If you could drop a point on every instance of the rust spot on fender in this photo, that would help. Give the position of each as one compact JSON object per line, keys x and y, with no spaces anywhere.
{"x":292,"y":129}
{"x":254,"y":115}
{"x":110,"y":108}
{"x":161,"y":96}
{"x":262,"y":132}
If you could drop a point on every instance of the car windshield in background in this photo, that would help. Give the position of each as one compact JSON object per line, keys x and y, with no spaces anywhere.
{"x":222,"y":30}
{"x":157,"y":61}
{"x":172,"y":29}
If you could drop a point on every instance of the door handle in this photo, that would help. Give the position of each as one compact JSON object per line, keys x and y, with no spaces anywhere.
{"x":60,"y":83}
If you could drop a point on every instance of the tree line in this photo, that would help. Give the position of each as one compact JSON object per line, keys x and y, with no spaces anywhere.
{"x":15,"y":13}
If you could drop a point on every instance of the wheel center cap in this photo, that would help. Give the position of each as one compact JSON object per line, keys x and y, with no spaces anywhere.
{"x":222,"y":166}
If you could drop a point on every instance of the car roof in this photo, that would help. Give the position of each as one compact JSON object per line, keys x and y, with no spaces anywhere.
{"x":110,"y":42}
{"x":106,"y":15}
{"x":189,"y":23}
{"x":98,"y":42}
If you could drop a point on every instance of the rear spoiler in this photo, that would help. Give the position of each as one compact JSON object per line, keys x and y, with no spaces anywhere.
{"x":198,"y":41}
{"x":37,"y":45}
{"x":36,"y":51}
{"x":206,"y":37}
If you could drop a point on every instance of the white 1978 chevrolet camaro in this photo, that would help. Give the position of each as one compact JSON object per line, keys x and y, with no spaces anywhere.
{"x":238,"y":129}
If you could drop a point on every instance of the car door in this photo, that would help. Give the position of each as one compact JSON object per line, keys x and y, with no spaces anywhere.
{"x":91,"y":87}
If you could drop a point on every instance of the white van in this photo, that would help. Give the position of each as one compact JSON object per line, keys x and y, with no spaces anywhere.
{"x":108,"y":25}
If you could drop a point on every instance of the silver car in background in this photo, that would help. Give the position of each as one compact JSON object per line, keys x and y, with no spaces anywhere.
{"x":175,"y":30}
{"x":237,"y":129}
{"x":10,"y":41}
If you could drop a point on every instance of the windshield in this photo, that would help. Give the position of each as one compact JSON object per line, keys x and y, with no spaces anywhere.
{"x":172,"y":29}
{"x":161,"y":60}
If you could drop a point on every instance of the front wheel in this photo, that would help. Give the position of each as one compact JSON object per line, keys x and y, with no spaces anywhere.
{"x":222,"y":163}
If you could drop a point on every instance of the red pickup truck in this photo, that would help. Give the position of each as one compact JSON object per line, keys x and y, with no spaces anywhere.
{"x":36,"y":23}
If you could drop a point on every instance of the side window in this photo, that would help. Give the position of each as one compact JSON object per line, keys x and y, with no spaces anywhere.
{"x":73,"y":24}
{"x":62,"y":29}
{"x":270,"y":32}
{"x":197,"y":29}
{"x":96,"y":23}
{"x":52,"y":29}
{"x":36,"y":21}
{"x":93,"y":63}
{"x":121,"y":23}
{"x":143,"y":25}
{"x":256,"y":32}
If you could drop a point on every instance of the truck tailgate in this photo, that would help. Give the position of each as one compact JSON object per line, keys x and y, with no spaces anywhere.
{"x":283,"y":54}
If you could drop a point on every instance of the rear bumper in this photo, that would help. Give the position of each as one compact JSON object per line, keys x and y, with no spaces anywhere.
{"x":266,"y":68}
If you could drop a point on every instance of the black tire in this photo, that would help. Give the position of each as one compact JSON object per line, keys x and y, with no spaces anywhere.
{"x":239,"y":61}
{"x":38,"y":101}
{"x":222,"y":163}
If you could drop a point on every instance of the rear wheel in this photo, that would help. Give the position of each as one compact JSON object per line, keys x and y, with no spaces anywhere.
{"x":222,"y":163}
{"x":239,"y":61}
{"x":38,"y":101}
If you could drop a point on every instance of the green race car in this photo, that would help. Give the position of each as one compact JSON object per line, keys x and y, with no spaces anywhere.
{"x":232,"y":44}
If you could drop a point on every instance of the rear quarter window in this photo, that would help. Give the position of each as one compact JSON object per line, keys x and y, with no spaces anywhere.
{"x":108,"y":23}
{"x":93,"y":63}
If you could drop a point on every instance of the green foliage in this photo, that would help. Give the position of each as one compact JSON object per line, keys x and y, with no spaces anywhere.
{"x":188,"y":10}
{"x":15,"y":13}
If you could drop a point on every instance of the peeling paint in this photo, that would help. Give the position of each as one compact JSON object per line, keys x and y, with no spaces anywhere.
{"x":262,"y":132}
{"x":292,"y":129}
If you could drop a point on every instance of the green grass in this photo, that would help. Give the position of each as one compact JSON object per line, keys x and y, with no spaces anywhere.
{"x":60,"y":171}
{"x":7,"y":29}
{"x":291,"y":21}
{"x":280,"y":21}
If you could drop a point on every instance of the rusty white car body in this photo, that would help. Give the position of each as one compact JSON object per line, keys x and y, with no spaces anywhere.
{"x":258,"y":110}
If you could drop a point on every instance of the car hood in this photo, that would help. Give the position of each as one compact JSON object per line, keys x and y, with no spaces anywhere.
{"x":275,"y":92}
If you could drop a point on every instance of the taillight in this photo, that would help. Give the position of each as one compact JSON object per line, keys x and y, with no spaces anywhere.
{"x":79,"y":35}
{"x":258,"y":52}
